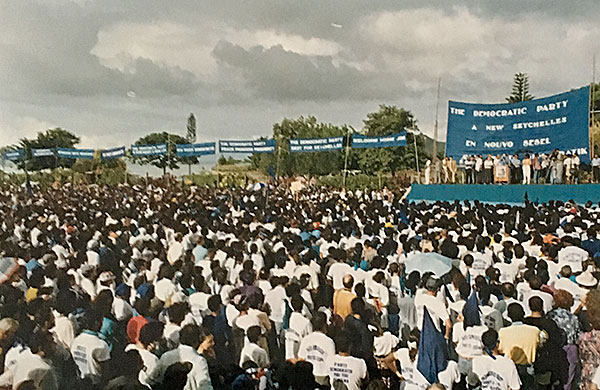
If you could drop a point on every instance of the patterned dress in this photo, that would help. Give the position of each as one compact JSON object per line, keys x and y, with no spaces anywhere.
{"x":589,"y":353}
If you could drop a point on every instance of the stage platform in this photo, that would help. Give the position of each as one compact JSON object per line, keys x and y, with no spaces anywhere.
{"x":512,"y":194}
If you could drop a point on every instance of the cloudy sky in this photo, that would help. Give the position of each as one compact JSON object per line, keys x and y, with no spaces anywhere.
{"x":241,"y":66}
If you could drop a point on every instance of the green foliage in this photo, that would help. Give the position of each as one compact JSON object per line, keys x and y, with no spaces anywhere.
{"x":51,"y":138}
{"x":355,"y":182}
{"x":169,"y":160}
{"x":227,"y":160}
{"x":317,"y":163}
{"x":520,"y":89}
{"x":390,"y":120}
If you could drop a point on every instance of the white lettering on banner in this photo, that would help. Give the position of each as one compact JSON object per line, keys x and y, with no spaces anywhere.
{"x":552,"y":106}
{"x":474,"y":127}
{"x":536,"y":142}
{"x":470,"y":143}
{"x":499,"y":113}
{"x":579,"y":151}
{"x":457,"y":111}
{"x":494,"y":127}
{"x":538,"y":124}
{"x":498,"y":144}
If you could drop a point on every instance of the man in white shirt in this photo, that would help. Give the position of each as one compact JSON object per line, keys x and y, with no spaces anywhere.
{"x":198,"y":378}
{"x":252,"y":351}
{"x":90,"y":353}
{"x":572,"y":256}
{"x":175,"y":249}
{"x":336,"y":273}
{"x":316,"y":348}
{"x":344,"y":368}
{"x":495,"y":372}
{"x":435,"y":307}
{"x":275,"y":298}
{"x":299,"y":327}
{"x":37,"y":366}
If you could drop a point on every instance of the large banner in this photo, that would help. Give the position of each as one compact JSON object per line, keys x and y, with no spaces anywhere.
{"x":265,"y":146}
{"x":42,"y":152}
{"x":14,"y":155}
{"x":191,"y":150}
{"x":316,"y":144}
{"x":535,"y":126}
{"x":148,"y":150}
{"x":109,"y":154}
{"x":384,"y":141}
{"x":75,"y":153}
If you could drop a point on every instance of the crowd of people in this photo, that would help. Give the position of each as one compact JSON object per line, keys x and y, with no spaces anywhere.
{"x":556,"y":167}
{"x":197,"y":288}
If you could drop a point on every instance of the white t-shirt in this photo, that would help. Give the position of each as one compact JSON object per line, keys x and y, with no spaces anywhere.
{"x":317,"y":348}
{"x":413,"y":379}
{"x":596,"y":378}
{"x":149,"y":360}
{"x":435,"y":307}
{"x":275,"y":298}
{"x":496,"y":374}
{"x":383,"y":345}
{"x":572,"y":256}
{"x":468,"y":341}
{"x":88,"y":351}
{"x":350,"y":370}
{"x":35,"y":368}
{"x":336,"y":273}
{"x":254,"y":353}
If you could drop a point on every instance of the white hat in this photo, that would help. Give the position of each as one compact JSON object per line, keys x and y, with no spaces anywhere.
{"x":586,"y":279}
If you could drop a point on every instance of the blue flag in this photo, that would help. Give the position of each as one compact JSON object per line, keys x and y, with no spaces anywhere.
{"x":471,"y":311}
{"x":433,"y":351}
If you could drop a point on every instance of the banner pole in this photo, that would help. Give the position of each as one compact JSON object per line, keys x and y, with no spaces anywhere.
{"x":345,"y":173}
{"x":414,"y":133}
{"x":278,"y":145}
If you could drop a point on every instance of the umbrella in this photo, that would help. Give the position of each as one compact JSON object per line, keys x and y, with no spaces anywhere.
{"x":428,"y":262}
{"x":8,"y":266}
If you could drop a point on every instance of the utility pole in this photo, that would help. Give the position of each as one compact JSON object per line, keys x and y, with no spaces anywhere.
{"x":435,"y":126}
{"x":592,"y":146}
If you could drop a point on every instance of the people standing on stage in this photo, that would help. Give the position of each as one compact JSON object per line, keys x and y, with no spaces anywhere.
{"x":452,"y":167}
{"x":478,"y":169}
{"x":427,"y":172}
{"x":445,"y":168}
{"x":469,"y":168}
{"x":596,"y":169}
{"x":488,"y":168}
{"x":437,"y":170}
{"x":526,"y":169}
{"x":568,"y":166}
{"x":536,"y":165}
{"x":515,"y":169}
{"x":560,"y":171}
{"x":575,"y":168}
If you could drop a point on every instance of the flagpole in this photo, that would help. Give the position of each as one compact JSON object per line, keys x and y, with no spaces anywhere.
{"x":435,"y":127}
{"x":592,"y":146}
{"x":345,"y":173}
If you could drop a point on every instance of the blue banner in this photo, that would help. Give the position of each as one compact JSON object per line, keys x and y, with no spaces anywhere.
{"x":316,"y":144}
{"x":42,"y":152}
{"x":191,"y":150}
{"x":109,"y":154}
{"x":148,"y":150}
{"x":384,"y":141}
{"x":14,"y":155}
{"x":535,"y":126}
{"x":264,"y":146}
{"x":75,"y":153}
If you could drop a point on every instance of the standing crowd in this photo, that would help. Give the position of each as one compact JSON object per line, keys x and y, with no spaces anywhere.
{"x":556,"y":167}
{"x":194,"y":288}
